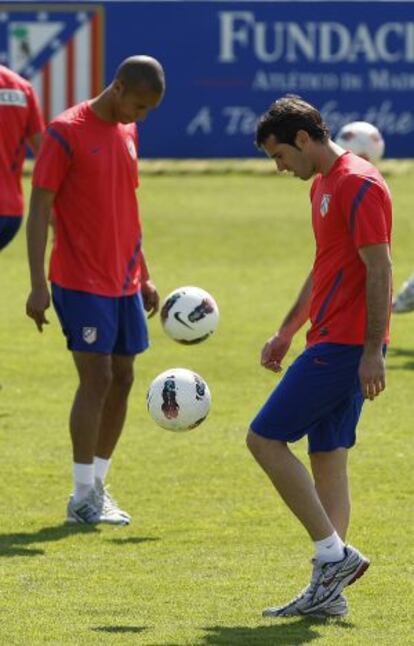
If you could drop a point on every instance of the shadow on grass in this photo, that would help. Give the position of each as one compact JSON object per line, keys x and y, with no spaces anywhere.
{"x":294,"y":633}
{"x":14,"y":544}
{"x":405,"y":353}
{"x":119,"y":629}
{"x":133,"y":540}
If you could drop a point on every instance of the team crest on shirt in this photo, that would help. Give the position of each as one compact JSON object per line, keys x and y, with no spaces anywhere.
{"x":89,"y":334}
{"x":131,"y":147}
{"x":325,"y":201}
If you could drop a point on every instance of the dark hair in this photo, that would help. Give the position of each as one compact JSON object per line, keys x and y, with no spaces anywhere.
{"x":288,"y":115}
{"x":136,"y":71}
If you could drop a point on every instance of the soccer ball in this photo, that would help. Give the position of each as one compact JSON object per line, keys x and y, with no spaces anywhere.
{"x":363,"y":139}
{"x":178,"y":399}
{"x":189,"y":315}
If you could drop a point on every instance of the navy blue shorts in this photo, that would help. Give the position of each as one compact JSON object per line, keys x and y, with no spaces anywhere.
{"x":102,"y":324}
{"x":319,"y":396}
{"x":9,"y":226}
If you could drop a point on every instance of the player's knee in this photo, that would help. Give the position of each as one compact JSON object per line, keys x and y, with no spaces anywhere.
{"x":102,"y":382}
{"x":253,"y":442}
{"x":261,"y":448}
{"x":95,"y":386}
{"x":123,"y":379}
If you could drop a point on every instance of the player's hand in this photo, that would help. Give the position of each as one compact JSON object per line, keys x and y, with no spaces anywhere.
{"x":150,"y":298}
{"x":274,"y":351}
{"x":37,"y":303}
{"x":372,"y":373}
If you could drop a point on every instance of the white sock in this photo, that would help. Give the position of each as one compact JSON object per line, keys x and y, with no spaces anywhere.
{"x":330,"y":549}
{"x":101,"y":468}
{"x":83,"y":480}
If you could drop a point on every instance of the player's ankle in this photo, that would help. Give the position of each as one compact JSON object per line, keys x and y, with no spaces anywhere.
{"x":330,"y":549}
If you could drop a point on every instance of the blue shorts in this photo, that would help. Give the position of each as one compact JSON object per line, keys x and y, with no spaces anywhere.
{"x":102,"y":324}
{"x":319,"y":396}
{"x":9,"y":226}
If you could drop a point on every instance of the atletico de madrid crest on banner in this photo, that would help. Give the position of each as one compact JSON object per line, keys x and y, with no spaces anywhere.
{"x":58,"y":48}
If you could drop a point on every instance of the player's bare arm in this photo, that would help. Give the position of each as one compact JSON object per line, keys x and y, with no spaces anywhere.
{"x":377,"y":261}
{"x":277,"y":346}
{"x":37,"y":231}
{"x":150,"y":296}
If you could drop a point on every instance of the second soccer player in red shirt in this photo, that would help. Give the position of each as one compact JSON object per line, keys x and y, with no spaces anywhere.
{"x":347,"y":298}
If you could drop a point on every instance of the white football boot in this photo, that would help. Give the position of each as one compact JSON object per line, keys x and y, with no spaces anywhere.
{"x":322,"y":597}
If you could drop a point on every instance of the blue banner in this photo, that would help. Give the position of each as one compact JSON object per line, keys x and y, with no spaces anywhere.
{"x":225,"y":63}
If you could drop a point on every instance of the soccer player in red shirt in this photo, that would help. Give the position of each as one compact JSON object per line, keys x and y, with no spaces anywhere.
{"x":87,"y":170}
{"x":347,"y":298}
{"x":21,"y":124}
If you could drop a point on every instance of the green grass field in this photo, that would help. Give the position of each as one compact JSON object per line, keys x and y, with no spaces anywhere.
{"x":210,"y":544}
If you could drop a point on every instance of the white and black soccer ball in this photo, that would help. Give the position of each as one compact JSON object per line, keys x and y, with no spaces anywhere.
{"x":189,"y":315}
{"x":178,"y":399}
{"x":363,"y":139}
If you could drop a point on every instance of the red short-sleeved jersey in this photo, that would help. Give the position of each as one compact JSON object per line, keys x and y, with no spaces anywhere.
{"x":92,"y":167}
{"x":20,"y":118}
{"x":351,"y":208}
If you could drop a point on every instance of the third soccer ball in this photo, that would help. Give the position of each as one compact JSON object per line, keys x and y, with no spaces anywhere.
{"x":363,"y":139}
{"x":189,"y":315}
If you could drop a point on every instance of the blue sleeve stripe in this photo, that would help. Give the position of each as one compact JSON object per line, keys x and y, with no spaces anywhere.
{"x":61,"y":140}
{"x":357,"y":201}
{"x":131,"y":264}
{"x":329,"y":296}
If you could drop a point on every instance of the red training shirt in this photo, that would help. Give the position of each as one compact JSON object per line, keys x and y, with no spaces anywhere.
{"x":20,"y":118}
{"x":91,"y":165}
{"x":351,"y":208}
